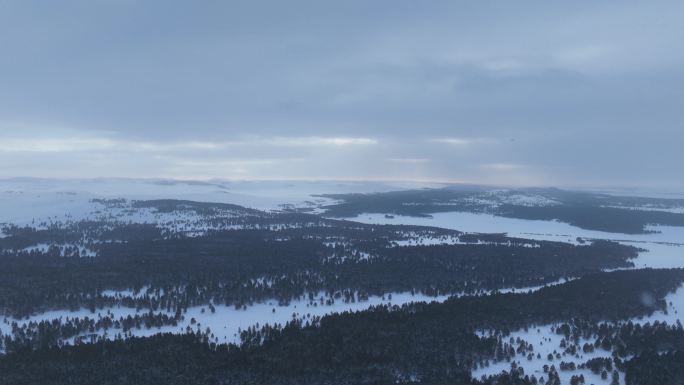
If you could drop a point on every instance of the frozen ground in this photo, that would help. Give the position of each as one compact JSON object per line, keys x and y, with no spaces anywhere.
{"x":25,"y":200}
{"x":29,"y":201}
{"x":664,"y":248}
{"x":546,"y":341}
{"x":42,"y":202}
{"x":523,"y":228}
{"x":226,"y":322}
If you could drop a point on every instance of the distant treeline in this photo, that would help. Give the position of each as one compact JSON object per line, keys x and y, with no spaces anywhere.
{"x":585,"y":210}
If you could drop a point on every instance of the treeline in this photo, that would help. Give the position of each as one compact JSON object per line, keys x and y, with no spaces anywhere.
{"x":586,"y":210}
{"x":45,"y":334}
{"x":616,"y":220}
{"x":418,"y":343}
{"x":239,"y":267}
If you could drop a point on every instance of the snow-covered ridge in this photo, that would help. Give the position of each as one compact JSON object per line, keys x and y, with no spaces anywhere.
{"x":224,"y":322}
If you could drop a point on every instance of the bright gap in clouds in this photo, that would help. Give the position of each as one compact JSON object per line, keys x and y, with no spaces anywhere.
{"x":74,"y":144}
{"x":245,"y":157}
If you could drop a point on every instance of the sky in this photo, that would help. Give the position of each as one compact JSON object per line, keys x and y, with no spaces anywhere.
{"x":531,"y":93}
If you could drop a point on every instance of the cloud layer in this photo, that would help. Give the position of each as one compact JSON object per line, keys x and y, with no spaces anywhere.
{"x":528,"y":92}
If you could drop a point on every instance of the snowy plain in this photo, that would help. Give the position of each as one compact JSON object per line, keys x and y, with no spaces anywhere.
{"x":27,"y":202}
{"x":24,"y":200}
{"x":227,"y":321}
{"x":664,"y":247}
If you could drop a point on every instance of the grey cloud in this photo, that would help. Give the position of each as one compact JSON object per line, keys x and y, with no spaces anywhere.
{"x":579,"y":93}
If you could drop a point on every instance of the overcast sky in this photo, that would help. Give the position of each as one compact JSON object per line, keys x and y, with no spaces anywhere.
{"x":564,"y":93}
